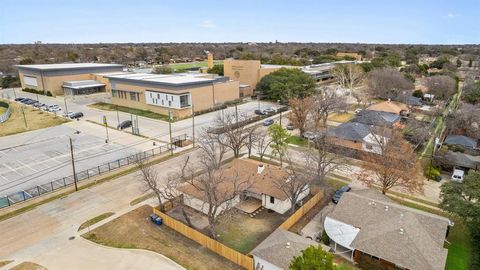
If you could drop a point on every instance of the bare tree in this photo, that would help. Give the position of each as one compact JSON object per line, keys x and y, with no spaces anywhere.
{"x":465,"y":120}
{"x":395,"y":165}
{"x":388,"y":83}
{"x":300,"y":109}
{"x":323,"y":160}
{"x":442,"y":86}
{"x":262,"y":143}
{"x":234,"y":135}
{"x":217,"y":186}
{"x":348,"y":76}
{"x":417,"y":132}
{"x":296,"y":183}
{"x":162,"y":188}
{"x":326,"y":102}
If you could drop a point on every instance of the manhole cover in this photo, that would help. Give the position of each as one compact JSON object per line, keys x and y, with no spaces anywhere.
{"x":71,"y":238}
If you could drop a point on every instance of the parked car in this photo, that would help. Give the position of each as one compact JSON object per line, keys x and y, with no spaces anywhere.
{"x":357,"y":111}
{"x":19,"y":99}
{"x":76,"y":115}
{"x":290,"y":126}
{"x":25,"y":100}
{"x":458,"y":175}
{"x":271,"y":110}
{"x":309,"y":135}
{"x":268,"y":122}
{"x":54,"y":108}
{"x":338,"y":194}
{"x":29,"y":101}
{"x":124,"y":124}
{"x":38,"y":105}
{"x":260,"y":112}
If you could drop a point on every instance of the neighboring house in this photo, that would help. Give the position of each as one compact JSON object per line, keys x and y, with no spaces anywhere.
{"x":278,"y":250}
{"x":453,"y":160}
{"x":356,"y":136}
{"x":464,"y":141}
{"x":413,"y":101}
{"x":375,"y":118}
{"x":263,"y":179}
{"x":391,"y":107}
{"x":366,"y":223}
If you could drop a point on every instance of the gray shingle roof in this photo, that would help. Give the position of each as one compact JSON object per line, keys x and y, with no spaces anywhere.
{"x":352,"y":131}
{"x":461,"y":140}
{"x":404,"y":236}
{"x":376,"y":118}
{"x":274,"y":248}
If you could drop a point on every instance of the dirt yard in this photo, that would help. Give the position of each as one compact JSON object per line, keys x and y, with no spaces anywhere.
{"x":36,"y":119}
{"x":135,"y":230}
{"x":243,"y":233}
{"x":28,"y":266}
{"x":341,"y":117}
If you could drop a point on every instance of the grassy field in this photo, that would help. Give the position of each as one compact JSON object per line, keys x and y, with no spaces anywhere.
{"x":111,"y":107}
{"x":2,"y":110}
{"x":3,"y":263}
{"x":181,"y":66}
{"x":297,"y":140}
{"x":341,"y":117}
{"x":28,"y":266}
{"x":95,"y":220}
{"x":135,"y":230}
{"x":36,"y":119}
{"x":243,"y":233}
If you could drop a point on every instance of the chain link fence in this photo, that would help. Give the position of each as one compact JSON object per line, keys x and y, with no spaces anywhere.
{"x":40,"y":190}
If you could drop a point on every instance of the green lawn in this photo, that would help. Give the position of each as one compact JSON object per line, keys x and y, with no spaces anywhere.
{"x":112,"y":107}
{"x":297,"y":140}
{"x":182,"y":66}
{"x":341,"y":117}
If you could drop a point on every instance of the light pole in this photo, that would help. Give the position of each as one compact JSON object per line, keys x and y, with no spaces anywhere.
{"x":106,"y":127}
{"x":73,"y":166}
{"x":193,"y":127}
{"x":170,"y":130}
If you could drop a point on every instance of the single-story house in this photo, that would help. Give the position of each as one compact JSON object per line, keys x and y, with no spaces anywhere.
{"x":278,"y":250}
{"x":464,"y":141}
{"x":260,"y":181}
{"x":458,"y":160}
{"x":376,"y":118}
{"x":369,"y":224}
{"x":357,"y":136}
{"x":391,"y":107}
{"x":413,"y":101}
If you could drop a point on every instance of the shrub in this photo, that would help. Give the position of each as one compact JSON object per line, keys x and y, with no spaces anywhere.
{"x":367,"y":263}
{"x":325,"y":238}
{"x":431,"y":172}
{"x":457,"y":148}
{"x":417,"y":93}
{"x":49,"y":94}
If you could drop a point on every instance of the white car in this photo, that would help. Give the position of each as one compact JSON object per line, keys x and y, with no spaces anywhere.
{"x":54,"y":108}
{"x":458,"y":175}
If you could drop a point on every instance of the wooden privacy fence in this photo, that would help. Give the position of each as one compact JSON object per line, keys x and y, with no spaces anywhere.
{"x":287,"y":224}
{"x":215,"y":246}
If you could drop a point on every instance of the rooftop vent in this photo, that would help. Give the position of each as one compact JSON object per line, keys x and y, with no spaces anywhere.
{"x":386,"y":207}
{"x":402,"y":231}
{"x":287,"y":245}
{"x":260,"y":168}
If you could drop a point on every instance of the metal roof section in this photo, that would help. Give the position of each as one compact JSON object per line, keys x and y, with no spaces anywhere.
{"x":341,"y":233}
{"x":461,"y":140}
{"x":82,"y":84}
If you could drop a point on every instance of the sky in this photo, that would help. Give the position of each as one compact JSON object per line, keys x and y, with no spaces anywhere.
{"x":350,"y":21}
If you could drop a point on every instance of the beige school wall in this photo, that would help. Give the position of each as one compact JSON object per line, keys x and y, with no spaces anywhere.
{"x":203,"y":97}
{"x":54,"y":83}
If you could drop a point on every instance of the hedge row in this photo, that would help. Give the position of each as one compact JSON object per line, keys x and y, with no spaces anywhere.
{"x":34,"y":91}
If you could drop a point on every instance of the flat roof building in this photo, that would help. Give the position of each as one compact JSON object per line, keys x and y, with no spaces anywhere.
{"x":176,"y":93}
{"x":52,"y":77}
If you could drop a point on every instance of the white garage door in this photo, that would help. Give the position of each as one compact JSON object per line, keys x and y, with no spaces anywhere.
{"x":30,"y":81}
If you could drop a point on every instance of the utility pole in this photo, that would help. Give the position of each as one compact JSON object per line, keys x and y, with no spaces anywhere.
{"x":24,"y":118}
{"x":193,"y":126}
{"x":14,"y":93}
{"x":106,"y":127}
{"x":236,"y":115}
{"x":280,"y":118}
{"x":65,"y":100}
{"x":170,"y":130}
{"x":73,"y":166}
{"x":118,"y":117}
{"x":131,"y":120}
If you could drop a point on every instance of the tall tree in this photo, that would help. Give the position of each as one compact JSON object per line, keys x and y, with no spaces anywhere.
{"x":314,"y":257}
{"x":394,"y":165}
{"x":216,"y":69}
{"x":465,"y":120}
{"x":300,"y":110}
{"x":279,"y":137}
{"x":326,"y":102}
{"x":388,"y":83}
{"x":322,"y":159}
{"x":286,"y":83}
{"x":442,"y":86}
{"x":348,"y":76}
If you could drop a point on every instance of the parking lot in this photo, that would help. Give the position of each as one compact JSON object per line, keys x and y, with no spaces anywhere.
{"x":39,"y":157}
